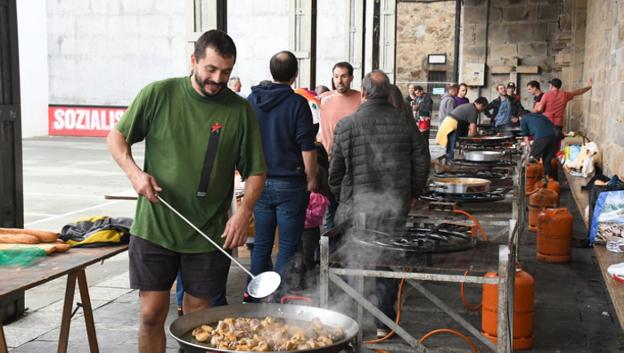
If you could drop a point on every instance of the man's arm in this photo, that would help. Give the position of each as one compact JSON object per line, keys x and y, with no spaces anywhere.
{"x":427,"y":104}
{"x":527,"y":143}
{"x":541,"y":105}
{"x":421,"y":162}
{"x":580,"y":91}
{"x":309,"y":162}
{"x":235,"y":232}
{"x":337,"y":167}
{"x":491,"y":106}
{"x":305,"y":140}
{"x":143,"y":183}
{"x":472,"y":129}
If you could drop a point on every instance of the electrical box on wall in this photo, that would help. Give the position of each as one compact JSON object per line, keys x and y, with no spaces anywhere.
{"x":474,"y":74}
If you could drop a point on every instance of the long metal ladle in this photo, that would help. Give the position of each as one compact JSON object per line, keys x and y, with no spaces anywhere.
{"x":261,"y":285}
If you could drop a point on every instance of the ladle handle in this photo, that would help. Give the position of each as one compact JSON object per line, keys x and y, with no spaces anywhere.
{"x":205,"y":236}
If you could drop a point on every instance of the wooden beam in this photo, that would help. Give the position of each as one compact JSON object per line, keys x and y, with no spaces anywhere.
{"x":501,"y":69}
{"x":532,"y":69}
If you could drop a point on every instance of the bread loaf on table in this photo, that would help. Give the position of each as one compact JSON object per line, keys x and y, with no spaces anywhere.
{"x":43,"y":235}
{"x":18,"y":238}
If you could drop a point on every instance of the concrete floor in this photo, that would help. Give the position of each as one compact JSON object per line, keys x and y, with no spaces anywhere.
{"x":66,"y":178}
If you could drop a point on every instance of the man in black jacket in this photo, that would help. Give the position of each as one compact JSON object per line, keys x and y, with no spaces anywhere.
{"x":380,"y":164}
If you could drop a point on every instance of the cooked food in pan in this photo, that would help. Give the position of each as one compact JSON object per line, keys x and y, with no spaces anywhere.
{"x":266,"y":335}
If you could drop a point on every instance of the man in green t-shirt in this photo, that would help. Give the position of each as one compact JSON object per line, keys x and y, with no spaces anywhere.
{"x":197,"y":132}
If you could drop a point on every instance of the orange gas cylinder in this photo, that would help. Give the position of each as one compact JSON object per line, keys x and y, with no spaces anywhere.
{"x":542,"y":198}
{"x":554,"y":165}
{"x":550,"y":184}
{"x":523,"y":310}
{"x":554,"y":235}
{"x":534,"y":172}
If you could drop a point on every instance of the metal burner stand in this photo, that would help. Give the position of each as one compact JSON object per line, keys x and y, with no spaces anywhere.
{"x":505,"y":281}
{"x":507,"y":255}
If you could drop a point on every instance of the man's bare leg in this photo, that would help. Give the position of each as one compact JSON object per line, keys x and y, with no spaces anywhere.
{"x":191,"y":303}
{"x":154,"y":309}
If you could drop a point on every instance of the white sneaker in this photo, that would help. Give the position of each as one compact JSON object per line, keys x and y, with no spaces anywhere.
{"x":382,"y":332}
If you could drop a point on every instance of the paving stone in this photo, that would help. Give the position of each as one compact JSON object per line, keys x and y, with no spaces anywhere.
{"x":120,"y":281}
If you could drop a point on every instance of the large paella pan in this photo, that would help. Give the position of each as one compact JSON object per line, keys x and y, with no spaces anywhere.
{"x":182,"y":328}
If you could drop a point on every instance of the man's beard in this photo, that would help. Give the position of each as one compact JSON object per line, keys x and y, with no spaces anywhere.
{"x":202,"y":84}
{"x":342,"y":89}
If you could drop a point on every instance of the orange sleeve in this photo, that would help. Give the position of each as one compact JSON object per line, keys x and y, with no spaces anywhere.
{"x":568,"y":96}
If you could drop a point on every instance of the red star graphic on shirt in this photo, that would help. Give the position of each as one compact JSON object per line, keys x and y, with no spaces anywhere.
{"x":215,"y":127}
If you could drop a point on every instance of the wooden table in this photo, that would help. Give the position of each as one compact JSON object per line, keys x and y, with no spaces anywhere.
{"x":72,"y":264}
{"x":604,"y":256}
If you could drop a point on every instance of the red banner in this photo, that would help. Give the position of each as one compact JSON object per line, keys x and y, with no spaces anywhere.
{"x":82,"y":120}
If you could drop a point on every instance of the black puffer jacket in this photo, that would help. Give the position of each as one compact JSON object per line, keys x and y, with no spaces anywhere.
{"x":380,"y":162}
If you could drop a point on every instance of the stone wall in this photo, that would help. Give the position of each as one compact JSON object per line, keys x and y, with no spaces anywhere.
{"x":603,"y":106}
{"x":516,"y":37}
{"x":422,"y":29}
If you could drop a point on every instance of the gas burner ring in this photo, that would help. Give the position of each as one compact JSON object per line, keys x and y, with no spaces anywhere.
{"x":444,"y":237}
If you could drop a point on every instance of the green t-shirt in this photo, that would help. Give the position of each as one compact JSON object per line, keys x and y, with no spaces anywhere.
{"x":176,"y":123}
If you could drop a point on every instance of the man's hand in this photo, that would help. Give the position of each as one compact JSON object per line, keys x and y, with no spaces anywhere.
{"x":591,"y":81}
{"x":527,"y":143}
{"x":235,"y":232}
{"x":312,"y":185}
{"x":145,"y":185}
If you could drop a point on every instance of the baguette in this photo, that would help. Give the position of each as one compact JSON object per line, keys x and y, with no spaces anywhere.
{"x":18,"y":238}
{"x":42,"y":235}
{"x":61,"y":247}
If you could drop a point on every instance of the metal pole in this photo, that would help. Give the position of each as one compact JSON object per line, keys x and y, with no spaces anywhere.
{"x":502,"y":337}
{"x":205,"y":236}
{"x":376,"y":312}
{"x":456,"y":49}
{"x":413,"y":275}
{"x":324,"y":272}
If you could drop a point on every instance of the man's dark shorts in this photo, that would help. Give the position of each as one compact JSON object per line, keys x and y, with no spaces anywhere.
{"x":154,"y":268}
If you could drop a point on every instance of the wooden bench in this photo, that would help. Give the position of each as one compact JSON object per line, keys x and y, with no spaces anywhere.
{"x":605,"y":257}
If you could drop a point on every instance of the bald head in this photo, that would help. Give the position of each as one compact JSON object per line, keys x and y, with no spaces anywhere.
{"x":284,"y":66}
{"x":376,"y":85}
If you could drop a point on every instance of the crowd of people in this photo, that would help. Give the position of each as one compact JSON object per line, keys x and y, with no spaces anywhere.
{"x":541,"y":125}
{"x":311,"y":160}
{"x":364,"y":155}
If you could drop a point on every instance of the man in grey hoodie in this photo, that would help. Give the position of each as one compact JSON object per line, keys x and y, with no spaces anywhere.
{"x":447,"y":104}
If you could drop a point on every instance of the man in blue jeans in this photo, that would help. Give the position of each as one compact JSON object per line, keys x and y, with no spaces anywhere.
{"x":287,"y":135}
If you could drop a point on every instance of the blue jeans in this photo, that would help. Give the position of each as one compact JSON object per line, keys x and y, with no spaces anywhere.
{"x":386,"y":292}
{"x":283,"y":204}
{"x":219,"y":300}
{"x":450,"y":145}
{"x":331,"y":213}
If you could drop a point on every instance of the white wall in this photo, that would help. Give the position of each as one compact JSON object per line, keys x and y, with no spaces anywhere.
{"x":259,"y":29}
{"x":104,"y":52}
{"x":33,"y":66}
{"x":331,"y":40}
